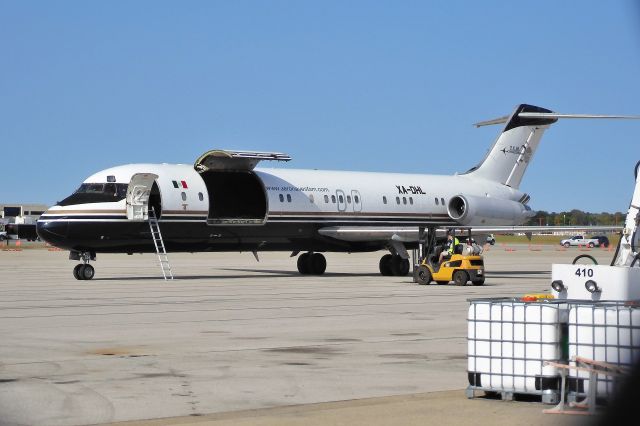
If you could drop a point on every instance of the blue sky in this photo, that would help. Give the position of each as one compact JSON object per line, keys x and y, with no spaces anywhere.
{"x":378,"y":86}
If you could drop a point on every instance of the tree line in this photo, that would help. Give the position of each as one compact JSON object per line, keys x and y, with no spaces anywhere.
{"x":576,"y":218}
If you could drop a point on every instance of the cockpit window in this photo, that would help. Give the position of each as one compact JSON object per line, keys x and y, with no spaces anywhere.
{"x":96,"y":193}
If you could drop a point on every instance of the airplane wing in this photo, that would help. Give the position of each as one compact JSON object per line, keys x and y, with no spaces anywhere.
{"x":544,"y":229}
{"x":410,"y":234}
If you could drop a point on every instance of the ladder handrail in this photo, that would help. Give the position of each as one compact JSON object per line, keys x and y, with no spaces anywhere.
{"x":158,"y":243}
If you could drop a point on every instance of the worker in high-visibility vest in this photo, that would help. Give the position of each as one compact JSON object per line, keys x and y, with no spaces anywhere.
{"x":449,"y":246}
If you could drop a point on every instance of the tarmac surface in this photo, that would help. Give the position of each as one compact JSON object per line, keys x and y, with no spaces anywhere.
{"x":233,"y":341}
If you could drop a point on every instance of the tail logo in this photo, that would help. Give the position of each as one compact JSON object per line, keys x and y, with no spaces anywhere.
{"x":517,"y":150}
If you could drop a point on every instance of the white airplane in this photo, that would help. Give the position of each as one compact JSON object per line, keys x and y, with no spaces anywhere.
{"x":224,"y":203}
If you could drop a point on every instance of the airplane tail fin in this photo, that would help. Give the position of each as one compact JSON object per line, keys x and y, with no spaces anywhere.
{"x":511,"y":153}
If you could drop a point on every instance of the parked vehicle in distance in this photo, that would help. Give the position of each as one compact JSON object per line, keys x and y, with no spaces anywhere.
{"x":21,"y":231}
{"x":491,"y":239}
{"x":580,"y":240}
{"x":603,"y":240}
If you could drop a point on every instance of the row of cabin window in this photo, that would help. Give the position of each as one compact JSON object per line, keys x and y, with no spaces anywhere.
{"x":184,"y":196}
{"x":340,"y":198}
{"x":404,"y":200}
{"x":356,"y":199}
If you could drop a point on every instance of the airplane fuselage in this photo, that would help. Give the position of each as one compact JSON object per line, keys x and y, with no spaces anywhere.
{"x":259,"y":210}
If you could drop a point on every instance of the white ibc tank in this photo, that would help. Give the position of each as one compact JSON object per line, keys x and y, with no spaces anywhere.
{"x":508,"y":342}
{"x":608,"y":332}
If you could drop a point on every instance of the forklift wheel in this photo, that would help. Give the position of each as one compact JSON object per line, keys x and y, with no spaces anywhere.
{"x":478,"y":282}
{"x":423,"y":275}
{"x":460,"y":277}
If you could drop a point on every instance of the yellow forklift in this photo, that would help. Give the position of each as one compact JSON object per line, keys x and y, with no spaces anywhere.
{"x":461,"y":267}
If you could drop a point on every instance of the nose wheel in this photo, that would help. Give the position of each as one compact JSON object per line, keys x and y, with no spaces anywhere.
{"x":83,"y":271}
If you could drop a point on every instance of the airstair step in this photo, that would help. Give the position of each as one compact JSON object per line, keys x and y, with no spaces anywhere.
{"x":158,"y":243}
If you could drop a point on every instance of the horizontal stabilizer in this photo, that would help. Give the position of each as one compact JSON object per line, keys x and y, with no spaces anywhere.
{"x":554,"y":115}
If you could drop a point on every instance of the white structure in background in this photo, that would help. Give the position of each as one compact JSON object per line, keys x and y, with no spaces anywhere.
{"x":21,"y":213}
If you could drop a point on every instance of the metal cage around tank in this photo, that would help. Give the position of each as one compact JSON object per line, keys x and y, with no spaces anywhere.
{"x":606,"y":332}
{"x":509,"y":340}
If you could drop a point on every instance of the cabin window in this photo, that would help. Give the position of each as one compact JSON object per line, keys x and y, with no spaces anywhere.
{"x":349,"y":199}
{"x":411,"y":200}
{"x":397,"y":200}
{"x":326,"y":198}
{"x":200,"y":196}
{"x":333,"y":199}
{"x":442,"y":201}
{"x":356,"y":199}
{"x":437,"y":201}
{"x":281,"y":198}
{"x":184,"y":196}
{"x":289,"y":198}
{"x":404,"y":200}
{"x":311,"y":198}
{"x":341,"y":198}
{"x":384,"y":199}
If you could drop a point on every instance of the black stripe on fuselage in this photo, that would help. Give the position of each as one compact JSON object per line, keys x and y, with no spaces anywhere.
{"x":190,"y":236}
{"x":116,"y":217}
{"x":444,"y":219}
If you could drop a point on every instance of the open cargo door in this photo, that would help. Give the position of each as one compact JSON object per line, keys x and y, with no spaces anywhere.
{"x":138,"y":194}
{"x":236,"y":194}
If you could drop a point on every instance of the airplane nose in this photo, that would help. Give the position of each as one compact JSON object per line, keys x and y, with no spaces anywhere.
{"x":53,"y":232}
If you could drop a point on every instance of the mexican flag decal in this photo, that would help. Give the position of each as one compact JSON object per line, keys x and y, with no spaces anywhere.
{"x":180,"y":184}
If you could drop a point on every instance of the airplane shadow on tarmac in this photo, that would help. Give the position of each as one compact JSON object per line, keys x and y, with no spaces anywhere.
{"x":254,"y":273}
{"x":518,"y":273}
{"x":270,"y":273}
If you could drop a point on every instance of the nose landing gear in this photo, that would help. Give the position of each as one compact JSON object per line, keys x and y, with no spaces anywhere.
{"x":83,"y":271}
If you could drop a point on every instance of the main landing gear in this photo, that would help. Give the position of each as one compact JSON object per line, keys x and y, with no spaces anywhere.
{"x":391,"y":264}
{"x":83,"y":271}
{"x":312,"y":264}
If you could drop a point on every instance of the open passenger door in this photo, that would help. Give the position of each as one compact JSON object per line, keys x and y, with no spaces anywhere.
{"x":138,"y":194}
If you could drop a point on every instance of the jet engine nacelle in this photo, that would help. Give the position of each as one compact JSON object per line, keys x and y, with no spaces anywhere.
{"x":470,"y":209}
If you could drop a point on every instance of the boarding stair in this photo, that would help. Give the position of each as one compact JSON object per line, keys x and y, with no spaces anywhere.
{"x":156,"y":235}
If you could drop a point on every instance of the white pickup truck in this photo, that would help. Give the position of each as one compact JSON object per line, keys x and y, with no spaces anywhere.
{"x":580,"y":240}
